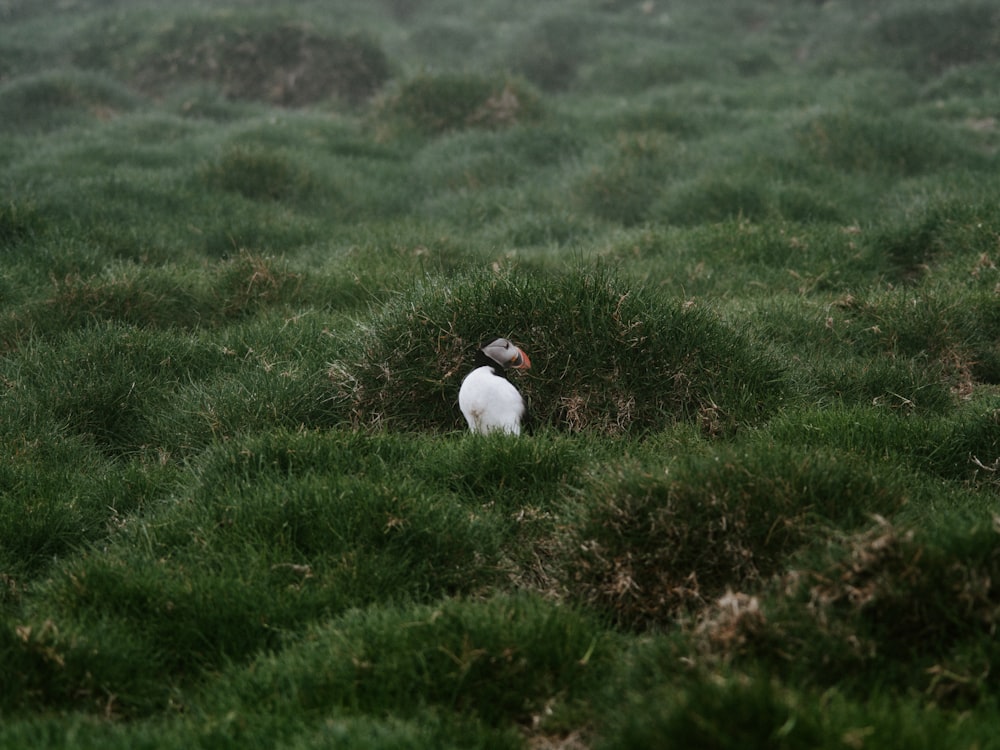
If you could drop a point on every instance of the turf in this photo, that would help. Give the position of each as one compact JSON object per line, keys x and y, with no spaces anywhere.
{"x":752,"y":249}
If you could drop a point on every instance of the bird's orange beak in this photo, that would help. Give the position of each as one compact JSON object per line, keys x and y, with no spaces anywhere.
{"x":520,"y":360}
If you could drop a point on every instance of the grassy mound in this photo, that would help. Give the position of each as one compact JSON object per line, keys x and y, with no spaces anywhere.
{"x":346,"y":534}
{"x":493,"y":661}
{"x":18,"y":223}
{"x":261,"y":59}
{"x":212,"y":295}
{"x":553,"y":51}
{"x":247,"y":254}
{"x":626,"y":187}
{"x":932,"y":40}
{"x":937,"y":232}
{"x":132,"y":392}
{"x":927,"y":329}
{"x":434,"y":104}
{"x":259,"y":175}
{"x":896,"y":605}
{"x":659,"y":545}
{"x":608,"y":357}
{"x":39,"y":524}
{"x":888,"y":143}
{"x":52,"y":100}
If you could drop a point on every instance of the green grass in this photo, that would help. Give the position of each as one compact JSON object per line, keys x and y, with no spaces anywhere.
{"x":616,"y":360}
{"x":246,"y":256}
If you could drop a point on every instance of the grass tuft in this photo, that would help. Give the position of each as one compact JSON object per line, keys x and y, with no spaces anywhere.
{"x":932,"y":40}
{"x":435,"y":104}
{"x":721,"y":714}
{"x":332,"y":543}
{"x":890,"y":144}
{"x":498,"y":661}
{"x":103,"y":382}
{"x":279,"y":62}
{"x":553,"y":52}
{"x":717,"y":200}
{"x":19,"y":223}
{"x":937,"y":233}
{"x":609,"y":357}
{"x":259,"y":175}
{"x":660,"y":546}
{"x":626,"y":188}
{"x":53,"y":100}
{"x":891,"y":604}
{"x":247,"y":255}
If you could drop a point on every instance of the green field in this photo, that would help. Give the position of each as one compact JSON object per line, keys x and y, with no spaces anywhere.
{"x":248,"y":250}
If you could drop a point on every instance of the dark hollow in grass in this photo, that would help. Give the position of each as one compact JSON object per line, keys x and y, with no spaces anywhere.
{"x":609,"y":357}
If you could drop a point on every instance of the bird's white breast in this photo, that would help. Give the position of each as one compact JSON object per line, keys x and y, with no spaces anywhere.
{"x":489,"y":402}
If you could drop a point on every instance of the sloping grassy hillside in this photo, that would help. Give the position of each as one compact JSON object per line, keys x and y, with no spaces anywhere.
{"x":246,"y":254}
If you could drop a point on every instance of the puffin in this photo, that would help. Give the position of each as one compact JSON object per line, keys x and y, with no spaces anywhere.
{"x":488,"y":400}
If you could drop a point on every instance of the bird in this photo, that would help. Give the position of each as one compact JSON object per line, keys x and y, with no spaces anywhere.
{"x":487,"y":399}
